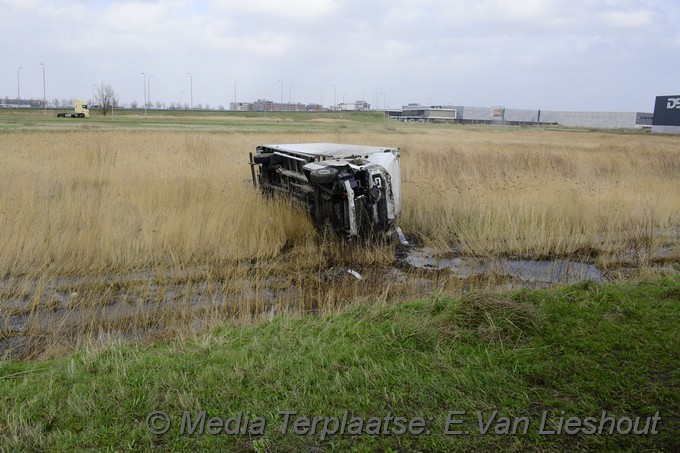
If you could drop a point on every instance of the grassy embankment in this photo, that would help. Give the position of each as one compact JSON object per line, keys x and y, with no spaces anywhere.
{"x":572,"y":352}
{"x":206,"y":121}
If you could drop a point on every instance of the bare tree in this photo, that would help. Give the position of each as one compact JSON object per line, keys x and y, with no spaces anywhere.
{"x":105,"y":98}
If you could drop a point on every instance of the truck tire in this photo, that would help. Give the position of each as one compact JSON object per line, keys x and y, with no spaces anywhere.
{"x":324,"y":175}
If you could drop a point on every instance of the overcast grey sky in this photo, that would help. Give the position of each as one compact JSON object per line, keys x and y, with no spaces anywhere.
{"x":599,"y":55}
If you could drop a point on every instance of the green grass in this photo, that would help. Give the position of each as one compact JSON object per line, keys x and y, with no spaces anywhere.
{"x":571,"y":352}
{"x":197,"y":120}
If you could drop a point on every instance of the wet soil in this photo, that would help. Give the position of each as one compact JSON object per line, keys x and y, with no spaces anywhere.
{"x":148,"y":305}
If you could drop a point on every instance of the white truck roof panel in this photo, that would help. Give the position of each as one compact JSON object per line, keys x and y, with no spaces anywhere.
{"x":329,"y":149}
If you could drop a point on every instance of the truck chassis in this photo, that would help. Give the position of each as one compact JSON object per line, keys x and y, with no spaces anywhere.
{"x":355,"y":190}
{"x":70,"y":115}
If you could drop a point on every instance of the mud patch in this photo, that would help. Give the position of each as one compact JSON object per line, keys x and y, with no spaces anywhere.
{"x":528,"y":271}
{"x":44,"y":317}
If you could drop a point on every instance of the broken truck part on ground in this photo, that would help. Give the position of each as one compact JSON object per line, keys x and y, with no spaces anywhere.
{"x":353,"y":189}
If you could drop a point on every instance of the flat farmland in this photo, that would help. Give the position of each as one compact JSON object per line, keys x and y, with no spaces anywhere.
{"x":147,"y":229}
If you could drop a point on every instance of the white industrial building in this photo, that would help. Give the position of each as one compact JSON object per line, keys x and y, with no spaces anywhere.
{"x":433,"y":114}
{"x":501,"y":115}
{"x":357,"y":106}
{"x":605,"y":120}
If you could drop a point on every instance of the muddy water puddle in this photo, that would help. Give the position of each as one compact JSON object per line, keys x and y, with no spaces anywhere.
{"x":36,"y":314}
{"x":530,"y":272}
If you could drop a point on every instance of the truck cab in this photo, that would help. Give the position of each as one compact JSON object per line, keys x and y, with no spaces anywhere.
{"x":81,"y":109}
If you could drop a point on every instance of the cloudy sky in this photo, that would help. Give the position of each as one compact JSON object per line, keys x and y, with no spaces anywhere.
{"x":599,"y":55}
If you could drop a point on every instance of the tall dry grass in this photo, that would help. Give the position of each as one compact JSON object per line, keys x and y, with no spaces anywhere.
{"x":93,"y":202}
{"x":151,"y":233}
{"x":544,"y":194}
{"x":104,"y":202}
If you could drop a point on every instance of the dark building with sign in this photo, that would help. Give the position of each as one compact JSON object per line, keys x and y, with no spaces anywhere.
{"x":667,"y":114}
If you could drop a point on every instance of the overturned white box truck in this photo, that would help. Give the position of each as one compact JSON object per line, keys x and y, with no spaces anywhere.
{"x":355,"y":190}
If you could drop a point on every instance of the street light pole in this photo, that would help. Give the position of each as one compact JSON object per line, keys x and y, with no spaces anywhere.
{"x":148,"y":91}
{"x":44,"y":91}
{"x":281,"y":100}
{"x":191,"y":90}
{"x":334,"y":101}
{"x":290,"y":88}
{"x":19,"y":86}
{"x":235,"y":100}
{"x":385,"y":107}
{"x":144,"y":94}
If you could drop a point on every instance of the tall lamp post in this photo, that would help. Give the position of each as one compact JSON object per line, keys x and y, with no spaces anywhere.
{"x":144,"y":94}
{"x":235,"y":101}
{"x":385,"y":107}
{"x":191,"y":90}
{"x":19,"y":86}
{"x":281,"y":100}
{"x":148,"y":90}
{"x":335,"y":103}
{"x":44,"y":91}
{"x":290,"y":89}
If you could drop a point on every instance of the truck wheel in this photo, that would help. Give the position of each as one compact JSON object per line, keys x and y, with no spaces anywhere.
{"x":324,"y":175}
{"x":262,"y":158}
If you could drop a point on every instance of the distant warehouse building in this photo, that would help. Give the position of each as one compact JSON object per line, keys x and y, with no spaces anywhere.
{"x":432,"y":114}
{"x":502,"y":115}
{"x":519,"y":117}
{"x":667,"y":115}
{"x":605,"y":120}
{"x":357,"y":106}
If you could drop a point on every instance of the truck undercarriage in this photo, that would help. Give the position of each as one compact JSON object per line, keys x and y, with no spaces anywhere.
{"x":355,"y":190}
